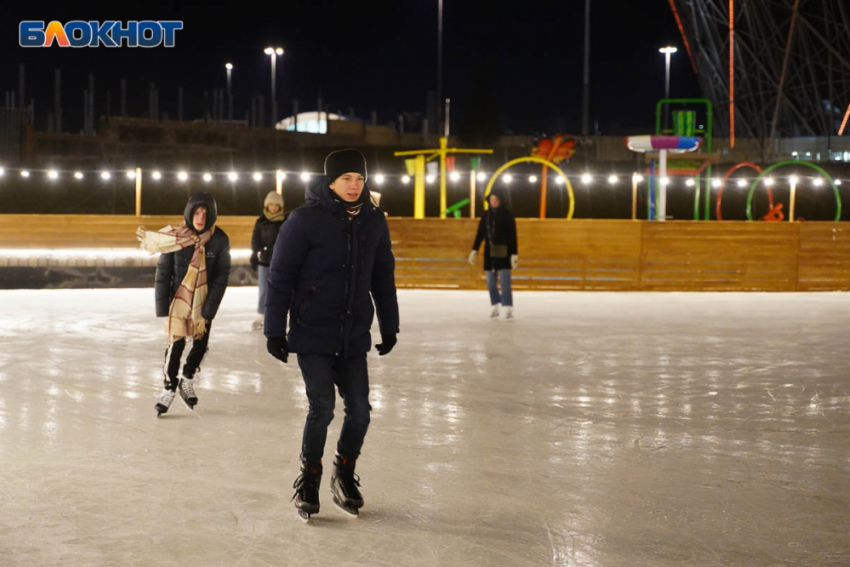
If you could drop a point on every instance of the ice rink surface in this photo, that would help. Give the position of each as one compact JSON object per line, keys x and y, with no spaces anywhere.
{"x":597,"y":429}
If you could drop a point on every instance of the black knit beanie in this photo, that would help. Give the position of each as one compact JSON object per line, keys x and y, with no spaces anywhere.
{"x":344,"y":161}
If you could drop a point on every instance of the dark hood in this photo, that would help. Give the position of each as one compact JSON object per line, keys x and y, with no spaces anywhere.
{"x":503,"y":196}
{"x":195,"y":201}
{"x":318,"y":189}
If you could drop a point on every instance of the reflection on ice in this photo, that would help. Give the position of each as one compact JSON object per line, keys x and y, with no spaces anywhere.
{"x":595,"y":429}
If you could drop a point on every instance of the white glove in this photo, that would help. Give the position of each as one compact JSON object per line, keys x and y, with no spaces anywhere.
{"x":514,"y":261}
{"x":472,"y":257}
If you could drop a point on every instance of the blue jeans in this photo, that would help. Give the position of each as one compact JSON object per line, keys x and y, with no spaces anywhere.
{"x":506,"y":298}
{"x":263,"y":281}
{"x":321,"y":373}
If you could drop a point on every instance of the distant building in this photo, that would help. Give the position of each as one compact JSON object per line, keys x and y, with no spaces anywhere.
{"x":312,"y":122}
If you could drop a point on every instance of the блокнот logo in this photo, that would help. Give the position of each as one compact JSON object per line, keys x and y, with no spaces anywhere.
{"x":109,"y":33}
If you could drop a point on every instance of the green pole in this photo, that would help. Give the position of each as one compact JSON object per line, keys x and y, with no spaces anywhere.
{"x":708,"y":136}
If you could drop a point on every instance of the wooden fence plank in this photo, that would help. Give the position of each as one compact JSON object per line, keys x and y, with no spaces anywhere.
{"x":555,"y":254}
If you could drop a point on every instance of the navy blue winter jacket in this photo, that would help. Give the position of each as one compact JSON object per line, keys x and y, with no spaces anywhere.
{"x":325,"y":272}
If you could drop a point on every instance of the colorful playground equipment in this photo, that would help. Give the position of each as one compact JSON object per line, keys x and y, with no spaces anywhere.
{"x":680,"y":139}
{"x":419,"y":174}
{"x":775,"y":211}
{"x":556,"y":149}
{"x":662,"y":144}
{"x":454,"y":210}
{"x":545,"y":162}
{"x":793,"y":180}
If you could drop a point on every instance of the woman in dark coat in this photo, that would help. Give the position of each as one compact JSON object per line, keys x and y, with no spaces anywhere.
{"x":262,"y":247}
{"x":497,"y":229}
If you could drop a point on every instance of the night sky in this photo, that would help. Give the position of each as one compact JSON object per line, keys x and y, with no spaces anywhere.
{"x":519,"y":65}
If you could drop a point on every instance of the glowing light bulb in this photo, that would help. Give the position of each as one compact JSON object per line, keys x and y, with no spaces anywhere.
{"x":405,"y":179}
{"x":156,"y":175}
{"x":586,"y":179}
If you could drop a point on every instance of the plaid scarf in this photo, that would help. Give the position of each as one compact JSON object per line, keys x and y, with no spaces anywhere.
{"x":184,"y":315}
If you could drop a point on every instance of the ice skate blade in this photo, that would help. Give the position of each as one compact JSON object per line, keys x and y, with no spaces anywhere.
{"x":305,"y":516}
{"x":350,"y":511}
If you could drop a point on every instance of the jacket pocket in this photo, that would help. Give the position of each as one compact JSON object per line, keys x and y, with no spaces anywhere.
{"x":304,"y":306}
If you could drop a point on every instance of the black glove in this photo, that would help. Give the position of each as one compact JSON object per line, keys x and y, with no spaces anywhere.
{"x":387,"y":344}
{"x":255,"y":262}
{"x":278,"y":348}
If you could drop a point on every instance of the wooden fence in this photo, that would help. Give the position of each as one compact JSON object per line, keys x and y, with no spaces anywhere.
{"x":555,"y":254}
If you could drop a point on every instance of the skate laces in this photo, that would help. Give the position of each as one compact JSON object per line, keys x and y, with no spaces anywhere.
{"x":349,"y":481}
{"x":166,"y":397}
{"x":188,"y":388}
{"x":307,"y":484}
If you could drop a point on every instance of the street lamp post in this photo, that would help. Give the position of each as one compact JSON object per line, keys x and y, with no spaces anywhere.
{"x":668,"y":52}
{"x":274,"y":52}
{"x":229,"y":68}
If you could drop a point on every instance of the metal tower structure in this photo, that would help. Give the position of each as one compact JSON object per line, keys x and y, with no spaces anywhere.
{"x":772,"y":68}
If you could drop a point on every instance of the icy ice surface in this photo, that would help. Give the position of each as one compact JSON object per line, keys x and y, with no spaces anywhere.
{"x":596,"y":429}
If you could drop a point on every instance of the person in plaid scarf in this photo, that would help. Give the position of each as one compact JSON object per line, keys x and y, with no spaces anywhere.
{"x":191,"y":277}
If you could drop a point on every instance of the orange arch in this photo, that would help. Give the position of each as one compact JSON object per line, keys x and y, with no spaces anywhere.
{"x":726,"y":177}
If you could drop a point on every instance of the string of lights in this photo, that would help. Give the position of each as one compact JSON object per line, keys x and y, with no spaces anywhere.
{"x":380,"y":178}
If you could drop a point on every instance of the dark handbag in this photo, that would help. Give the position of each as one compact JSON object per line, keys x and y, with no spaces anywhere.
{"x":498,"y":251}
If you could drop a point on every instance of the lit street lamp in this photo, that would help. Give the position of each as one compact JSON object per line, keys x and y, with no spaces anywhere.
{"x":274,"y":52}
{"x":229,"y":68}
{"x":668,"y":52}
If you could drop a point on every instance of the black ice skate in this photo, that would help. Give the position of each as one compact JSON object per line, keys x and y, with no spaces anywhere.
{"x":164,"y":401}
{"x":345,"y":486}
{"x":307,"y":491}
{"x":187,"y":392}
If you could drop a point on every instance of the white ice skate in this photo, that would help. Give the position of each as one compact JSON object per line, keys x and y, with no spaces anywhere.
{"x":509,"y":313}
{"x":164,"y":401}
{"x":494,"y":314}
{"x":257,"y":324}
{"x":187,"y":392}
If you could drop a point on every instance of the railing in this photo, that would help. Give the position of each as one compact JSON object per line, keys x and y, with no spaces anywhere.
{"x":601,"y":255}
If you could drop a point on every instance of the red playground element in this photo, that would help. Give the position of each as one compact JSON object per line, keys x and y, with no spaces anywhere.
{"x":555,"y":149}
{"x":775,"y":214}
